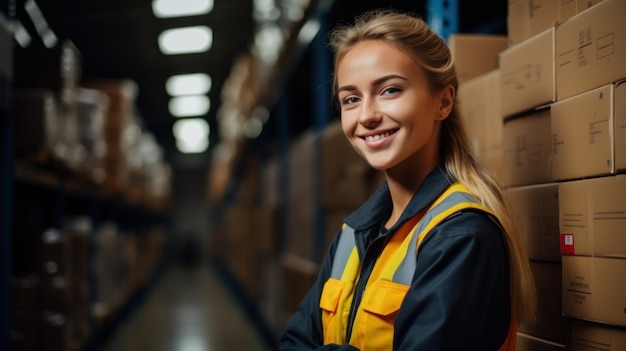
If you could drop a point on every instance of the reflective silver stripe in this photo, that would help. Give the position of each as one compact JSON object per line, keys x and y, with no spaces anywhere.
{"x":342,"y":254}
{"x":406,"y":269}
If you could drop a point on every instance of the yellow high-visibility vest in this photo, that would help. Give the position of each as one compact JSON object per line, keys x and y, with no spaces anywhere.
{"x":390,"y":279}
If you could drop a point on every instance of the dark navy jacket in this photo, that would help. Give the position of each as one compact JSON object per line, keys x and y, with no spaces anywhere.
{"x":459,"y":298}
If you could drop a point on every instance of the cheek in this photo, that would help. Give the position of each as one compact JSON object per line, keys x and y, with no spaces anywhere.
{"x":412,"y":112}
{"x":347,"y":123}
{"x":406,"y":107}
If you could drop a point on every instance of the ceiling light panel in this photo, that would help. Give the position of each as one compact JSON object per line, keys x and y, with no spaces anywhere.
{"x":181,"y":8}
{"x":188,"y":106}
{"x":188,"y":84}
{"x":187,"y":40}
{"x":192,"y":135}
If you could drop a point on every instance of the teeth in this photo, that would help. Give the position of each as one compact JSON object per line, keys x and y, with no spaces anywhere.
{"x":372,"y":138}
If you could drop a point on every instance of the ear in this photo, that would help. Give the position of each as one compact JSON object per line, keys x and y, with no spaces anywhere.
{"x":446,"y":98}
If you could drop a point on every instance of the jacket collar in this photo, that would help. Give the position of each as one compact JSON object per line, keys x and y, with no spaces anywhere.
{"x":378,"y":207}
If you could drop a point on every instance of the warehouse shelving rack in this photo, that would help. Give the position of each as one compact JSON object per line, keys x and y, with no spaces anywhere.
{"x":6,"y":160}
{"x":51,"y":193}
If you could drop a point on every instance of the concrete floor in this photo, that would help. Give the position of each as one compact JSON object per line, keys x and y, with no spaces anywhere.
{"x":189,"y":309}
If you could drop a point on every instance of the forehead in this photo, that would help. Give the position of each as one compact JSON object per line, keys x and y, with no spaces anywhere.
{"x":372,"y":56}
{"x":369,"y":48}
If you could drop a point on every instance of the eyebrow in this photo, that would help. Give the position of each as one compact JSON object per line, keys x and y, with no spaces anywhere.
{"x":374,"y":83}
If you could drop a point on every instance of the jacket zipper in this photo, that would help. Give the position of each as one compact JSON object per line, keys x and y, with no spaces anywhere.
{"x":369,"y":260}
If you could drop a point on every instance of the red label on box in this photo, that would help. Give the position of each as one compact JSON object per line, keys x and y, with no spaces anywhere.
{"x":567,"y":244}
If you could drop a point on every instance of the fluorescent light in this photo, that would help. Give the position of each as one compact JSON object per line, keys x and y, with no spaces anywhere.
{"x":21,"y":35}
{"x":192,"y":135}
{"x":186,"y":40}
{"x":194,"y":147}
{"x":188,"y":84}
{"x":41,"y":25}
{"x":308,"y":31}
{"x":188,"y":106}
{"x":181,"y":8}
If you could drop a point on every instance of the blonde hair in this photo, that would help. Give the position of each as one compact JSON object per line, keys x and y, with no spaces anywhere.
{"x":413,"y":36}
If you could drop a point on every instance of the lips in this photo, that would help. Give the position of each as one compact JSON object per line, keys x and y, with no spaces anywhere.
{"x":379,"y":137}
{"x":372,"y":138}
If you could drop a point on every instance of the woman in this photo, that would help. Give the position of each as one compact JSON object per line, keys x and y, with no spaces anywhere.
{"x":432,"y":261}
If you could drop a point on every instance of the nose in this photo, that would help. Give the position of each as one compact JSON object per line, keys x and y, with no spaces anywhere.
{"x":369,"y":115}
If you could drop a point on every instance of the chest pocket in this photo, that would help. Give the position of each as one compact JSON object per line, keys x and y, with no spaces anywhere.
{"x":334,"y":313}
{"x":374,"y":326}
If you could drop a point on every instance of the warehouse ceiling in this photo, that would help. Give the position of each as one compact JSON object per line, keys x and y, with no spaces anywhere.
{"x":118,"y":39}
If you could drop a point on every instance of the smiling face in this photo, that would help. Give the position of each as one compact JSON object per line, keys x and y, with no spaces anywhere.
{"x":388,"y":111}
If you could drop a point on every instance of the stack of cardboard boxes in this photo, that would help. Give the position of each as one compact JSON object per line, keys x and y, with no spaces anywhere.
{"x":46,"y":82}
{"x":89,"y":129}
{"x":564,"y":137}
{"x":476,"y":59}
{"x":589,"y":153}
{"x":557,"y":104}
{"x":527,"y":86}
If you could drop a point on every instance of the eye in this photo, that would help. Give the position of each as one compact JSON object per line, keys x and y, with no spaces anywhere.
{"x":349,"y":100}
{"x":391,"y":90}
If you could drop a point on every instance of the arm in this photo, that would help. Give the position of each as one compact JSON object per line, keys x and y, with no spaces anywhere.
{"x":304,"y":329}
{"x":459,"y":298}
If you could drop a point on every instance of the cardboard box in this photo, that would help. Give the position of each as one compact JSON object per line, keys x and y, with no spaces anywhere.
{"x":263,"y":220}
{"x":91,"y":111}
{"x":536,"y":209}
{"x":527,"y":18}
{"x":592,"y":217}
{"x":527,"y":150}
{"x":271,"y":301}
{"x":543,"y":14}
{"x":301,"y":236}
{"x":122,"y":95}
{"x":346,"y":178}
{"x":583,"y":5}
{"x":589,"y":133}
{"x":591,"y":49}
{"x":518,"y":26}
{"x":525,"y":342}
{"x":574,"y":221}
{"x":475,"y":54}
{"x":589,"y":336}
{"x":550,"y":324}
{"x":568,"y":9}
{"x":299,"y":275}
{"x":479,"y":104}
{"x":607,"y":208}
{"x":593,"y":289}
{"x":527,"y":73}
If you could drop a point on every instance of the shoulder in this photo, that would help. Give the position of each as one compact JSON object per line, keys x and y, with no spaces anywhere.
{"x":473,"y":227}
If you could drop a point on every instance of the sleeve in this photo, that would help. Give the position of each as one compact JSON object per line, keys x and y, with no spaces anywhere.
{"x":304,"y":328}
{"x":459,"y":298}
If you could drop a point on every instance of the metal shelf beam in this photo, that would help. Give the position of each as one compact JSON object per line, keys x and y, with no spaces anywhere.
{"x":443,"y":17}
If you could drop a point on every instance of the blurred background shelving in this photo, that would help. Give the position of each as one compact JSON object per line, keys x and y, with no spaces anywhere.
{"x":91,"y":177}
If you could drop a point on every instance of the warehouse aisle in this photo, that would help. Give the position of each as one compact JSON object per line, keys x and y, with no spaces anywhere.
{"x":190,"y":309}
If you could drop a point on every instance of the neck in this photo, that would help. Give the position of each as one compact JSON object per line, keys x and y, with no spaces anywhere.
{"x":403,"y":183}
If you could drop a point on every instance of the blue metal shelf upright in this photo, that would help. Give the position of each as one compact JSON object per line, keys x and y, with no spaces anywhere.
{"x":443,"y":17}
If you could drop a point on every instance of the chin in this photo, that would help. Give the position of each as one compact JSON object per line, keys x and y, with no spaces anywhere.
{"x":379,"y":166}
